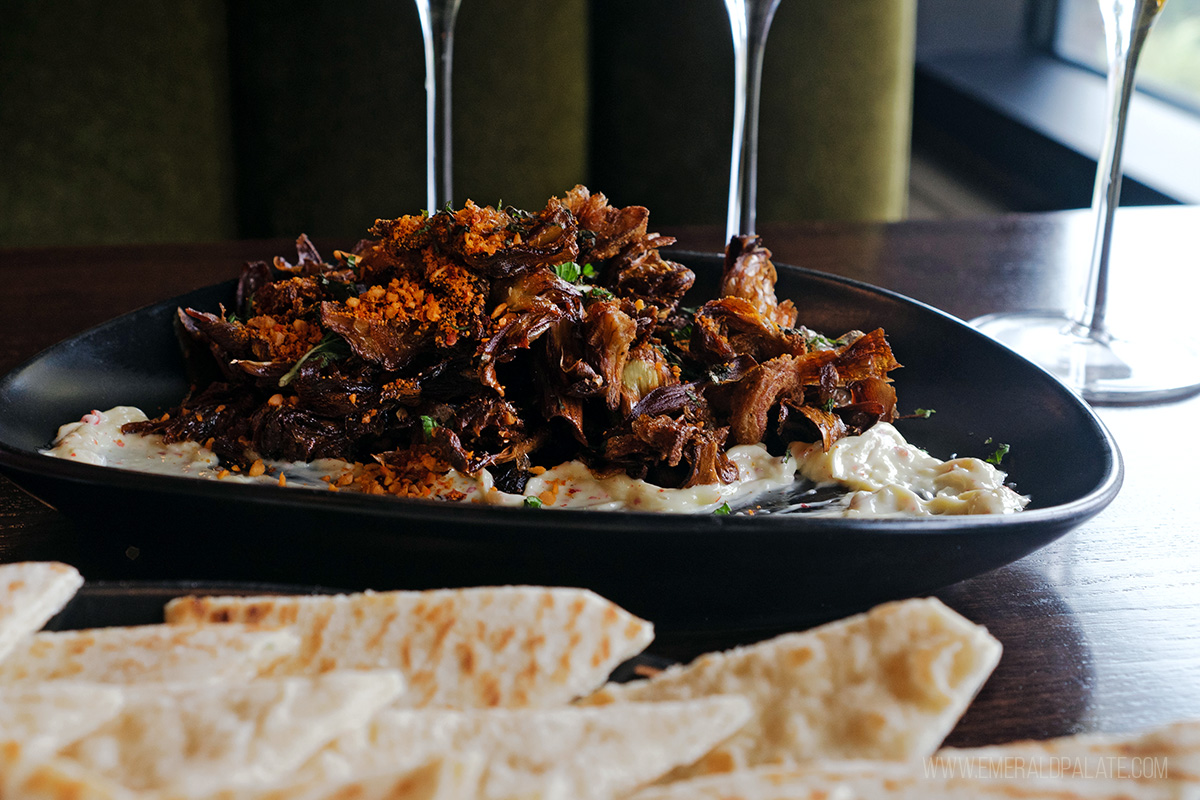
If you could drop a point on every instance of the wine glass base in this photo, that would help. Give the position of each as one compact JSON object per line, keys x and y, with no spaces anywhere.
{"x":1111,"y":370}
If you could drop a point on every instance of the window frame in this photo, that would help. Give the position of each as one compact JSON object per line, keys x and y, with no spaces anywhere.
{"x":993,"y":101}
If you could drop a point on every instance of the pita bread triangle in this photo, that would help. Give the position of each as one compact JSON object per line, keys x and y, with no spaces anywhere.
{"x":43,"y":718}
{"x":439,"y":779}
{"x":22,"y":778}
{"x":26,"y":778}
{"x":148,"y":654}
{"x":899,"y":781}
{"x":512,"y":646}
{"x":587,"y":752}
{"x":195,"y":739}
{"x":888,"y":684}
{"x":31,"y":592}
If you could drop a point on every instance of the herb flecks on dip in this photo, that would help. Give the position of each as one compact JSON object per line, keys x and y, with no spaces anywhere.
{"x":501,"y":347}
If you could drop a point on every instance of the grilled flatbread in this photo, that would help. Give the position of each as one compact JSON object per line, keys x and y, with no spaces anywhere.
{"x":148,"y":654}
{"x":598,"y":752}
{"x":43,"y":718}
{"x":193,"y":740}
{"x":898,"y":781}
{"x":454,"y":778}
{"x":31,"y":592}
{"x":507,"y":647}
{"x":887,"y":684}
{"x":23,"y":777}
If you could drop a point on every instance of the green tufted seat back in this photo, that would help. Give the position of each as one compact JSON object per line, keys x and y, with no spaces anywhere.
{"x":136,"y":121}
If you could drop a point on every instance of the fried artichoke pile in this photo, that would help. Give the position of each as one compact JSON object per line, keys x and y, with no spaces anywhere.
{"x":497,"y":338}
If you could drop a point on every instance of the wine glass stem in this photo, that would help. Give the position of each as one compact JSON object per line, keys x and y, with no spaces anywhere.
{"x":1126,"y":25}
{"x":749,"y":21}
{"x":437,"y":29}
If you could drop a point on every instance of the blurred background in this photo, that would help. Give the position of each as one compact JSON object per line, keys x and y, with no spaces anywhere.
{"x":197,"y":120}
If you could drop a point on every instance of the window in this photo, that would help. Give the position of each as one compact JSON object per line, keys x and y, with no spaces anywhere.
{"x":1002,"y":98}
{"x":1170,"y":62}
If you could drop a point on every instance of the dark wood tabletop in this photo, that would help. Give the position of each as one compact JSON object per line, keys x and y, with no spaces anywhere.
{"x":1101,"y":629}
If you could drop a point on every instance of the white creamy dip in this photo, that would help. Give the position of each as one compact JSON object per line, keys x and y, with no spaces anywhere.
{"x":573,"y":485}
{"x":97,"y":439}
{"x":884,"y":474}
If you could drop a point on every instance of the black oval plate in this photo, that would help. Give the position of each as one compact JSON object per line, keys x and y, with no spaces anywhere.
{"x":685,"y":572}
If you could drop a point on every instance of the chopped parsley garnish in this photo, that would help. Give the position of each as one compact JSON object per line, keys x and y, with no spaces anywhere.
{"x":572,"y":272}
{"x":331,"y":348}
{"x":829,"y":405}
{"x":599,"y":292}
{"x":723,"y":510}
{"x":429,"y":425}
{"x":568,"y":271}
{"x":998,"y":456}
{"x":925,"y":413}
{"x":533,"y":502}
{"x":815,"y":340}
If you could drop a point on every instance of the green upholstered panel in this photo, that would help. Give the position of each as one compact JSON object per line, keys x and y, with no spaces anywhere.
{"x":835,"y":113}
{"x":837,"y":106}
{"x":196,"y":119}
{"x":521,"y":125}
{"x":113,"y":122}
{"x":330,"y":114}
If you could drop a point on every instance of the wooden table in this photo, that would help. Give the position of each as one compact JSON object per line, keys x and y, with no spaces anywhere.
{"x":1101,"y":629}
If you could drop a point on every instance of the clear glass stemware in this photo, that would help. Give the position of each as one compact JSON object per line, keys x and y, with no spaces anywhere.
{"x":437,"y":30}
{"x":1079,"y":347}
{"x":750,"y":20}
